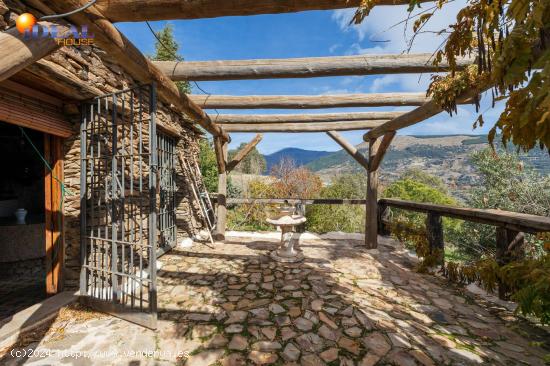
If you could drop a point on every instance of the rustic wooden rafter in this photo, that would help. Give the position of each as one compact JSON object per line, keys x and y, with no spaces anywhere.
{"x":309,"y":101}
{"x":141,"y":10}
{"x":19,"y":52}
{"x":303,"y":127}
{"x":243,"y":153}
{"x":228,"y":119}
{"x":349,"y":148}
{"x":134,"y":62}
{"x":303,"y":67}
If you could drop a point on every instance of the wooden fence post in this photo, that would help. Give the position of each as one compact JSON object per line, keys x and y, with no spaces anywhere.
{"x":434,"y":234}
{"x":221,"y":211}
{"x":509,"y":248}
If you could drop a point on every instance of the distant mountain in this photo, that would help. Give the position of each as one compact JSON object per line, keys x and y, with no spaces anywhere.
{"x":300,"y":156}
{"x":444,"y":156}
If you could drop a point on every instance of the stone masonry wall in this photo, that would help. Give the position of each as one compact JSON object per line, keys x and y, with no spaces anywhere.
{"x":102,"y":74}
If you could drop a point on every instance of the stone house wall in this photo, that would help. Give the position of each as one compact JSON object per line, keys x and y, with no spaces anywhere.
{"x":102,"y":75}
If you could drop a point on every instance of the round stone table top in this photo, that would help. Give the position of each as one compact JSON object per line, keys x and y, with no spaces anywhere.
{"x":288,"y":220}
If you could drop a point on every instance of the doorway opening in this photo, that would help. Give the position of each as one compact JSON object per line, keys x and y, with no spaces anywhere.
{"x":22,"y":219}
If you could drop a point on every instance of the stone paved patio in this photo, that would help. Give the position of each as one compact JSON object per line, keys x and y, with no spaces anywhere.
{"x":344,"y":305}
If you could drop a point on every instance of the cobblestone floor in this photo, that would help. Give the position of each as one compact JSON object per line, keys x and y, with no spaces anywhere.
{"x":344,"y":305}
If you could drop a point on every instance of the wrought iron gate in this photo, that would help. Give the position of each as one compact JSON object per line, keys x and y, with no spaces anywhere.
{"x":166,"y":147}
{"x":118,"y":204}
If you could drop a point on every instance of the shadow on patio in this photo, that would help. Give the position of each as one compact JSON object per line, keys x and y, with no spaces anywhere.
{"x":344,"y":305}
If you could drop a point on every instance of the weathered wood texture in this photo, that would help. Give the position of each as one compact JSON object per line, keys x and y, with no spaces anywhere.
{"x":19,"y":52}
{"x":309,"y":101}
{"x":303,"y":118}
{"x":221,"y":210}
{"x":384,"y":145}
{"x":371,"y":224}
{"x":511,"y":220}
{"x":141,"y":10}
{"x":434,"y":234}
{"x":303,"y":67}
{"x":349,"y":148}
{"x":54,"y":261}
{"x":303,"y":127}
{"x":510,"y":247}
{"x":134,"y":62}
{"x":243,"y":153}
{"x":425,"y":111}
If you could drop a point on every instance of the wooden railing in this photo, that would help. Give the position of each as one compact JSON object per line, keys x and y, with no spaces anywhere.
{"x":510,"y":226}
{"x":293,"y":201}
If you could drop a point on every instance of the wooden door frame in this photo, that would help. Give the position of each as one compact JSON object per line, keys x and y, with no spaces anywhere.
{"x":54,"y":220}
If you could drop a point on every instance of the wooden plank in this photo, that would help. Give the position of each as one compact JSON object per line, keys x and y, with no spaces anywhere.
{"x":303,"y":127}
{"x":227,"y":119}
{"x":512,"y":220}
{"x":57,"y":214}
{"x":303,"y":67}
{"x":349,"y":148}
{"x":434,"y":235}
{"x":384,"y":144}
{"x":142,"y":10}
{"x":371,"y":224}
{"x":309,"y":101}
{"x":19,"y":52}
{"x":243,"y":153}
{"x":134,"y":62}
{"x":293,"y":201}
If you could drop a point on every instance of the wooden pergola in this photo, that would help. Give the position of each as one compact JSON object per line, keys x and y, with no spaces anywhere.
{"x":380,"y":127}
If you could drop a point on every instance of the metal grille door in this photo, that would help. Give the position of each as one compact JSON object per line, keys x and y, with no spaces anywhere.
{"x":166,"y":147}
{"x":118,"y":204}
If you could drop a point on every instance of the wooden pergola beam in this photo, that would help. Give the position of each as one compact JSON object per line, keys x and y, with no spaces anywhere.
{"x":303,"y":127}
{"x":303,"y":67}
{"x":228,"y":119}
{"x":425,"y":111}
{"x":243,"y":153}
{"x":309,"y":101}
{"x":220,"y":148}
{"x":19,"y":52}
{"x":134,"y":62}
{"x":371,"y":224}
{"x":142,"y":10}
{"x":352,"y":150}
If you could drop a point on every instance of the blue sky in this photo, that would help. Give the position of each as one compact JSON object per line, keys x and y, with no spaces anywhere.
{"x":309,"y":34}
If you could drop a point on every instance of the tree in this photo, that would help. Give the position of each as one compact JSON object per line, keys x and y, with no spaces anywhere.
{"x":167,"y":50}
{"x":253,"y":162}
{"x":511,"y":39}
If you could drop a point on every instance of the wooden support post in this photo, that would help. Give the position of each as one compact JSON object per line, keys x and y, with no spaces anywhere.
{"x":53,"y":151}
{"x":434,"y":234}
{"x":221,"y":212}
{"x":383,"y":218}
{"x":352,"y":150}
{"x":243,"y":153}
{"x":384,"y":144}
{"x":510,"y":247}
{"x":371,"y":227}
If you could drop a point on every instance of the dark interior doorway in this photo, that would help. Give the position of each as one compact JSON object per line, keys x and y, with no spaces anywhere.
{"x":22,"y":243}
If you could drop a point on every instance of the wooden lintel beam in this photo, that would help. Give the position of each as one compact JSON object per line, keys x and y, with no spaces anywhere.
{"x":243,"y":153}
{"x":19,"y":52}
{"x":142,"y":10}
{"x":374,"y":164}
{"x":133,"y":61}
{"x":303,"y":67}
{"x":352,"y":150}
{"x":228,"y":119}
{"x":303,"y":127}
{"x":309,"y":101}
